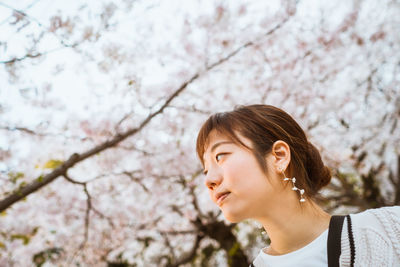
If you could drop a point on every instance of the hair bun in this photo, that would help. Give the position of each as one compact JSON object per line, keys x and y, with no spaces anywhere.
{"x":319,"y":175}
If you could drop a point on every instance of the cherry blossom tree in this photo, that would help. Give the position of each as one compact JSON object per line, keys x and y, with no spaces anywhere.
{"x":100,"y":104}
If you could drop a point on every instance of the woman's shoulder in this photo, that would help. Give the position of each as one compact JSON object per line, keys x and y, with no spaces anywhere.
{"x":377,"y":236}
{"x":379,"y":217}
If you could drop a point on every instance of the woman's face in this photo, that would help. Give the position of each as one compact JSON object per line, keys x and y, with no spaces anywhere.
{"x":235,"y":180}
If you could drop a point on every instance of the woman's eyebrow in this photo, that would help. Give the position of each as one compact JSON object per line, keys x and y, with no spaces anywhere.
{"x":220,"y":143}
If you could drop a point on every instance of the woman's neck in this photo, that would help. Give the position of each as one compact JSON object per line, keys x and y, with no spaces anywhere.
{"x":292,"y":227}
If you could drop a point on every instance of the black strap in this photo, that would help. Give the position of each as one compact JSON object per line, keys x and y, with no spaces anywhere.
{"x":351,"y":238}
{"x":334,"y":240}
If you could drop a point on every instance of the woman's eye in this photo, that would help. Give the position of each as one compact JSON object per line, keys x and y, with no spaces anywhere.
{"x":218,"y":156}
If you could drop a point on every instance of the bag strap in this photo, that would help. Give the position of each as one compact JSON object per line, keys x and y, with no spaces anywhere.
{"x":334,"y":240}
{"x":351,"y":239}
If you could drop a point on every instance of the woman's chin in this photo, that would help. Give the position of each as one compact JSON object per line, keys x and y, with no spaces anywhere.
{"x":233,"y":218}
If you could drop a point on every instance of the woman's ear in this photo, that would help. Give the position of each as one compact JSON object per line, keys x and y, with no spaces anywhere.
{"x":281,"y":155}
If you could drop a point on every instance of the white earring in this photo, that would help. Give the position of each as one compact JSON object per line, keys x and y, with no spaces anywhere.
{"x":294,"y":188}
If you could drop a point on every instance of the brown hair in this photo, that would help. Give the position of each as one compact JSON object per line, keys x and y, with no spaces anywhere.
{"x":263,"y":125}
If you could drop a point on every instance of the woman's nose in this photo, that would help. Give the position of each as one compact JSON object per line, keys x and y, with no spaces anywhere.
{"x":213,"y":179}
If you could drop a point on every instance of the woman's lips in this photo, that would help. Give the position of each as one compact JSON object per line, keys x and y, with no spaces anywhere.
{"x":221,"y":198}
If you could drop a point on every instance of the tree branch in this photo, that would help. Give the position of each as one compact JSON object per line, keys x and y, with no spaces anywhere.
{"x":76,"y":158}
{"x":189,"y":256}
{"x":30,"y":55}
{"x":136,"y":179}
{"x":88,"y":207}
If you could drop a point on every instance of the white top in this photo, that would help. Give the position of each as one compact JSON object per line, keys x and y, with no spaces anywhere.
{"x":376,"y":240}
{"x":313,"y":254}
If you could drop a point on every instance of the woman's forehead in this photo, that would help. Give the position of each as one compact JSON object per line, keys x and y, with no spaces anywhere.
{"x":216,"y":137}
{"x":213,"y":138}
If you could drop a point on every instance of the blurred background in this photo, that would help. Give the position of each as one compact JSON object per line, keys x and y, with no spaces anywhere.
{"x":101,"y":101}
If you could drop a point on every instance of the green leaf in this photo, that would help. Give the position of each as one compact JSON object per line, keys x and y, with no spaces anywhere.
{"x":25,"y":239}
{"x":233,"y":250}
{"x":40,"y":179}
{"x":52,"y":164}
{"x":22,"y":184}
{"x":14,"y":176}
{"x":34,"y":231}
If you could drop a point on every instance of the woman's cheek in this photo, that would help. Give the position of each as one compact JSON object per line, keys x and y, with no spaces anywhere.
{"x":210,"y":194}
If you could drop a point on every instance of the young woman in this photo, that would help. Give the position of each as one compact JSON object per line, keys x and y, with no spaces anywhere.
{"x":259,"y":165}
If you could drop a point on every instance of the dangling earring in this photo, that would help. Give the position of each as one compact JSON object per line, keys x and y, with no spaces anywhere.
{"x":294,"y":188}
